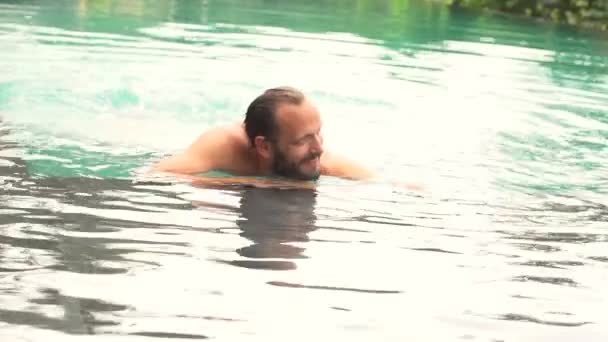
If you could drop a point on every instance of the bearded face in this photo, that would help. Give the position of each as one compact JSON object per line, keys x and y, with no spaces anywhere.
{"x":307,"y":167}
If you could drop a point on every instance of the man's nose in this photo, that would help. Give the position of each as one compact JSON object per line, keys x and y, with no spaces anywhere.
{"x":318,"y":144}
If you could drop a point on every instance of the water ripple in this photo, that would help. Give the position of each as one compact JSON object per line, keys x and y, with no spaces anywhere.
{"x":505,"y":124}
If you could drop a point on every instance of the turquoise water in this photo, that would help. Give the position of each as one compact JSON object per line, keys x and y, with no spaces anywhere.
{"x":504,"y":122}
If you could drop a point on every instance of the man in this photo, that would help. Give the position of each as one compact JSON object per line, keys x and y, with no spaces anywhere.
{"x":280,"y":136}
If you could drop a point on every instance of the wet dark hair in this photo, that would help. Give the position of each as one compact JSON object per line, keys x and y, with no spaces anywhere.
{"x":260,"y":119}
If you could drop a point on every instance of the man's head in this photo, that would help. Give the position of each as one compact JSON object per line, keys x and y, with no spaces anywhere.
{"x":285,"y":129}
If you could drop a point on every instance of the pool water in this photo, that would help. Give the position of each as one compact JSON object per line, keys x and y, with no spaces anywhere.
{"x":504,"y":122}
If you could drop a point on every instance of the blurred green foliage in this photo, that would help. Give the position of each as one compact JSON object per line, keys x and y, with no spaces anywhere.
{"x":584,"y":13}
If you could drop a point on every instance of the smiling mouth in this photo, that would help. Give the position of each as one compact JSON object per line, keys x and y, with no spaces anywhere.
{"x":313,"y":158}
{"x":313,"y":161}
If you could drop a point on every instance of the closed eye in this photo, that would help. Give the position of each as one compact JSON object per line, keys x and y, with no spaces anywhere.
{"x":308,"y":137}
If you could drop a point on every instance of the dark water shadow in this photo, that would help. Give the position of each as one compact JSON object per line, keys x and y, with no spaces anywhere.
{"x":273,"y":220}
{"x":50,"y":229}
{"x":37,"y":205}
{"x":547,"y":280}
{"x":530,"y":319}
{"x":34,"y":208}
{"x":166,"y":335}
{"x":331,"y":288}
{"x":79,"y":315}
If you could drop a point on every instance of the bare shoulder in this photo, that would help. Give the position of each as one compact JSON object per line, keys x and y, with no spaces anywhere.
{"x":219,"y":139}
{"x":216,"y":148}
{"x":340,"y":166}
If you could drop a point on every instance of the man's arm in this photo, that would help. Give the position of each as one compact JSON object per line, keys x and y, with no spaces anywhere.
{"x":339,"y":166}
{"x":221,"y":182}
{"x":250,"y":181}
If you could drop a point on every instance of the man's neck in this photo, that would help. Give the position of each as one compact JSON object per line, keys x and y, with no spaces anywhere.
{"x":263,"y":167}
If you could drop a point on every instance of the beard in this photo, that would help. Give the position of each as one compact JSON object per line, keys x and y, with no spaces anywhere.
{"x":282,"y":166}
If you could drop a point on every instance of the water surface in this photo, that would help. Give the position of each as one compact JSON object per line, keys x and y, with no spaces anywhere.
{"x":504,"y":122}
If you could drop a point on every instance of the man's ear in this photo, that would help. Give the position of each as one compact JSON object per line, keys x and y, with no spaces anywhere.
{"x":263,"y":146}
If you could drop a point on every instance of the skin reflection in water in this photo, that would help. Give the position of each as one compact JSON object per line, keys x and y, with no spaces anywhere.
{"x":274,"y":221}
